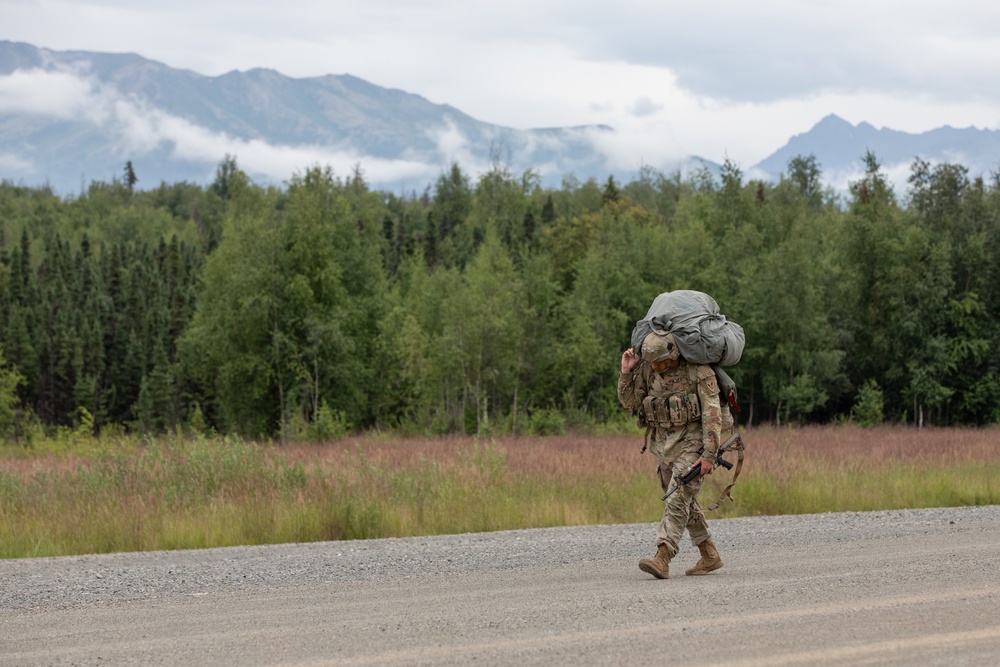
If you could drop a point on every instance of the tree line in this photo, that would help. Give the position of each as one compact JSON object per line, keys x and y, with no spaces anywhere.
{"x":489,"y":303}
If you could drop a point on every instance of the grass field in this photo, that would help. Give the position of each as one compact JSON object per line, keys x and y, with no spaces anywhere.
{"x":176,"y":493}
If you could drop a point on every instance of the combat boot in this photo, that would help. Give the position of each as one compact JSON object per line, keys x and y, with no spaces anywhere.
{"x":710,"y":560}
{"x":658,"y":565}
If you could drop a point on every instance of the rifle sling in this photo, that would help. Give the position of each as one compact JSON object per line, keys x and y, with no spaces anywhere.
{"x":735,"y":444}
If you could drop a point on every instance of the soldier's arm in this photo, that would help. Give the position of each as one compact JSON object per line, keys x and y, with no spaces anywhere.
{"x":631,"y":388}
{"x":711,"y":413}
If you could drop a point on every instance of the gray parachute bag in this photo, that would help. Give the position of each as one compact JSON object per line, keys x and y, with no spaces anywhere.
{"x":702,"y":332}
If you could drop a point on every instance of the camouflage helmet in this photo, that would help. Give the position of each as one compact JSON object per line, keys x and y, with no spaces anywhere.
{"x":660,"y":346}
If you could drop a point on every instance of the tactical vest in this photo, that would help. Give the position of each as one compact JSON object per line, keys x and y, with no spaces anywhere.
{"x":671,"y":400}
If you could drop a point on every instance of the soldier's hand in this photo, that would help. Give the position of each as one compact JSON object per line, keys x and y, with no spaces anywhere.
{"x":706,"y":467}
{"x":629,"y":360}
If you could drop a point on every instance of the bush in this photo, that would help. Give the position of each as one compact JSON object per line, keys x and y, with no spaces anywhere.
{"x":9,"y":382}
{"x":328,"y":425}
{"x":868,"y":408}
{"x":547,"y":422}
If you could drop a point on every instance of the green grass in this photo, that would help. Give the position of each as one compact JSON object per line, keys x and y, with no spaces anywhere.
{"x":902,"y":487}
{"x":181,"y":493}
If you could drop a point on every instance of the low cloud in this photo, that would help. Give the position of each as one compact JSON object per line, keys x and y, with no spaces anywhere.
{"x":453,"y":146}
{"x":16,"y":164}
{"x":648,"y":131}
{"x":61,"y":95}
{"x":134,"y":129}
{"x":644,"y":107}
{"x":638,"y":142}
{"x":896,"y":176}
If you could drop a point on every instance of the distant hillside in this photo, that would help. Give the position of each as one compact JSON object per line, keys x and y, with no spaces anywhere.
{"x":70,"y":117}
{"x":176,"y":125}
{"x":840,"y":147}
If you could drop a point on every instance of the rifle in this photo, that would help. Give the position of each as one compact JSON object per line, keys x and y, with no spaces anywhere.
{"x":695,"y":470}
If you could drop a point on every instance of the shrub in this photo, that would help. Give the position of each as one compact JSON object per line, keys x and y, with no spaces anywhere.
{"x":868,"y":408}
{"x":328,"y":425}
{"x":547,"y":422}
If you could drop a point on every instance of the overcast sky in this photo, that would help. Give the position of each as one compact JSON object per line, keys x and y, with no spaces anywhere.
{"x":718,"y":78}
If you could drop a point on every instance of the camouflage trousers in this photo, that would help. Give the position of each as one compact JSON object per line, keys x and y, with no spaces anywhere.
{"x":681,"y":510}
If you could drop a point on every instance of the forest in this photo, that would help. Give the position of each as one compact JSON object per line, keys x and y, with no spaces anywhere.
{"x":488,"y":304}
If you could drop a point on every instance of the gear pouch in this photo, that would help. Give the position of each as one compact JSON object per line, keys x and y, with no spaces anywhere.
{"x":692,"y":406}
{"x":649,"y":409}
{"x":678,"y":413}
{"x":662,"y":412}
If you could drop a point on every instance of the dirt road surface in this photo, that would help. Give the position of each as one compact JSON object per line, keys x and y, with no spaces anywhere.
{"x":880,"y":588}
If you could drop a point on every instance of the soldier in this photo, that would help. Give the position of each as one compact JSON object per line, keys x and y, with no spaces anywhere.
{"x":678,"y":403}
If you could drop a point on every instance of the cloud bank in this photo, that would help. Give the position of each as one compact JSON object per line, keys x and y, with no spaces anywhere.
{"x":133,"y":129}
{"x":722,"y":78}
{"x":130,"y":128}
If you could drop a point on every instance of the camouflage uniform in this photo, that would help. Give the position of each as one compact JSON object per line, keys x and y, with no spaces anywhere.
{"x":682,"y":411}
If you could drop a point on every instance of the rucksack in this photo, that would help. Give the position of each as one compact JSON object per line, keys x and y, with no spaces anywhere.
{"x":703,"y":334}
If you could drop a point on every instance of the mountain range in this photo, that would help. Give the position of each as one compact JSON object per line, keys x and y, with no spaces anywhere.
{"x":71,"y":117}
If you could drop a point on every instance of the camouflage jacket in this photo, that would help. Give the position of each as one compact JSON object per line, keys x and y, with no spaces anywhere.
{"x":667,"y":402}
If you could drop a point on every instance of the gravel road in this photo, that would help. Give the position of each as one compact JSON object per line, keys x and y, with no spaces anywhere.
{"x":887,"y":588}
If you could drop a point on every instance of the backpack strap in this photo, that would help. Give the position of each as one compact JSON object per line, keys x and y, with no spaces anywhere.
{"x":733,"y":444}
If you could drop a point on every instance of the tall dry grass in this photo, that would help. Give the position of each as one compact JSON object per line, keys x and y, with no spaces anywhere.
{"x":843,"y":468}
{"x":176,"y":493}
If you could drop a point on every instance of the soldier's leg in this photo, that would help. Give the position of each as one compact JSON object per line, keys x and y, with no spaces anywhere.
{"x":700,"y":537}
{"x":697,"y":526}
{"x":659,"y":565}
{"x":677,"y":511}
{"x":672,"y":524}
